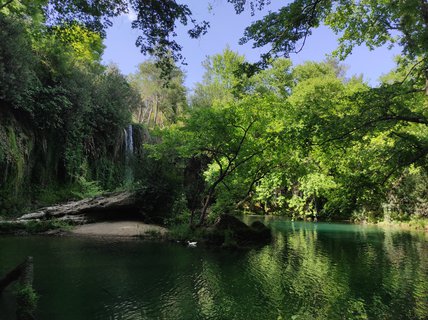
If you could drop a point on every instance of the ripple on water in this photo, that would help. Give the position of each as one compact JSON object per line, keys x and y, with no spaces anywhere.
{"x":310,"y":271}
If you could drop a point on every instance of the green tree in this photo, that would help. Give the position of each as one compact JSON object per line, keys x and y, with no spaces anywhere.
{"x":62,"y":113}
{"x":381,"y":130}
{"x":156,"y":20}
{"x":373,"y":23}
{"x":238,"y":140}
{"x":363,"y":137}
{"x":162,"y":100}
{"x":223,"y":79}
{"x":17,"y":74}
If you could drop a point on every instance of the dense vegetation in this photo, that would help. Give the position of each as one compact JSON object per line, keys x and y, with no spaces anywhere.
{"x":62,"y":113}
{"x":306,"y":141}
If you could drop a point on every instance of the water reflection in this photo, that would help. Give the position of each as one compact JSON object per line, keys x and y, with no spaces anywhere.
{"x":347,"y":271}
{"x":310,"y":271}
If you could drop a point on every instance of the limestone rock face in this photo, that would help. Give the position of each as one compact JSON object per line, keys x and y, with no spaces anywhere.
{"x":113,"y":206}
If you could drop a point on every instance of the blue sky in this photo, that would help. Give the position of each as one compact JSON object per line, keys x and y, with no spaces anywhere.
{"x":226,"y":30}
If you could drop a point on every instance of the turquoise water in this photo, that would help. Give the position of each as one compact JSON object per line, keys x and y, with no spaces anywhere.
{"x":310,"y":271}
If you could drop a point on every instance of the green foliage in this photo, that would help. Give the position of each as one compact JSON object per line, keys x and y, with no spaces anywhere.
{"x":33,"y":227}
{"x":305,"y":141}
{"x":407,"y":197}
{"x":237,"y":143}
{"x":158,"y":176}
{"x":62,"y":121}
{"x":277,"y":79}
{"x":180,"y":214}
{"x":184,"y":232}
{"x":86,"y":189}
{"x":419,"y":223}
{"x":156,"y":21}
{"x":223,"y":79}
{"x":334,"y":146}
{"x":15,"y":150}
{"x":17,"y":76}
{"x":162,"y":100}
{"x":181,"y":232}
{"x":87,"y":47}
{"x":364,"y":138}
{"x":364,"y":22}
{"x":27,"y":299}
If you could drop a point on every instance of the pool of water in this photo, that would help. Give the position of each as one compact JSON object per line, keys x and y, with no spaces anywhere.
{"x":310,"y":271}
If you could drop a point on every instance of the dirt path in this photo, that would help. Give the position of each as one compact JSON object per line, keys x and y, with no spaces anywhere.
{"x":119,"y":228}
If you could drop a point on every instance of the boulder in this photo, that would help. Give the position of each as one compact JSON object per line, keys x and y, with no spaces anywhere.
{"x":230,"y":231}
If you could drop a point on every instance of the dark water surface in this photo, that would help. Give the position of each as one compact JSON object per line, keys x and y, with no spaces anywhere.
{"x":310,"y":271}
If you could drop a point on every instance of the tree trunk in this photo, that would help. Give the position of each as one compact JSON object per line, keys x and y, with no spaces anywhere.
{"x":426,"y":77}
{"x":150,"y":117}
{"x":146,"y":110}
{"x":140,"y":114}
{"x":23,"y":272}
{"x":156,"y":111}
{"x":204,"y":209}
{"x":25,"y":303}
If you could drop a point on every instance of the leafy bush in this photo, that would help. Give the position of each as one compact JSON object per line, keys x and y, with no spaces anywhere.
{"x":27,"y":299}
{"x":33,"y":227}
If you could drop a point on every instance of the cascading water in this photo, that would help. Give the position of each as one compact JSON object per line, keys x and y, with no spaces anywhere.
{"x":129,"y":151}
{"x":125,"y":139}
{"x":129,"y":140}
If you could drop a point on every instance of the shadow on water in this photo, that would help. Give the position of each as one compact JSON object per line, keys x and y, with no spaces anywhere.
{"x":310,"y":271}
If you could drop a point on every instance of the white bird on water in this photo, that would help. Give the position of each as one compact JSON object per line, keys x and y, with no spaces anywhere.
{"x":192,"y":244}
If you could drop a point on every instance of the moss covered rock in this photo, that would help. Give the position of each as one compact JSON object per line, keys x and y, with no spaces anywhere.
{"x":229,"y":231}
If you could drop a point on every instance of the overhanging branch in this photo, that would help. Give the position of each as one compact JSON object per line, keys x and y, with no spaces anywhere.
{"x":6,"y":4}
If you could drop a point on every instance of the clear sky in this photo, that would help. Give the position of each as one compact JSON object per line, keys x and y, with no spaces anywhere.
{"x":226,"y":30}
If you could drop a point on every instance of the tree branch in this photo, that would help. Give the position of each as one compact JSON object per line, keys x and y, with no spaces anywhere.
{"x":6,"y":4}
{"x":225,"y":185}
{"x":256,"y":179}
{"x":219,"y":164}
{"x":410,"y":71}
{"x":309,"y":23}
{"x":370,"y":123}
{"x":225,"y":172}
{"x":405,"y":164}
{"x":215,"y":152}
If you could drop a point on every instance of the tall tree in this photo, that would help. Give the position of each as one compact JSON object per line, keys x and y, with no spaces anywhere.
{"x":222,"y":80}
{"x":162,"y":100}
{"x":238,"y":140}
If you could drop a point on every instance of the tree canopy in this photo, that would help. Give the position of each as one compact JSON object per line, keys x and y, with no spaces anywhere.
{"x":372,"y":23}
{"x":156,"y":20}
{"x":162,"y":100}
{"x":308,"y":141}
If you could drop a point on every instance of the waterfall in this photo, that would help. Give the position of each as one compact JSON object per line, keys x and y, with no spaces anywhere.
{"x":125,"y":140}
{"x":129,"y":140}
{"x":129,"y":151}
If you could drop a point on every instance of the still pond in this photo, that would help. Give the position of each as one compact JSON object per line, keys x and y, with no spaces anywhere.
{"x":309,"y":271}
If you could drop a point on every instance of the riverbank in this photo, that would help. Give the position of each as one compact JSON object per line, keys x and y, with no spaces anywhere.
{"x":412,"y":225}
{"x":130,"y":229}
{"x":227,"y":231}
{"x":138,"y":229}
{"x":120,"y":229}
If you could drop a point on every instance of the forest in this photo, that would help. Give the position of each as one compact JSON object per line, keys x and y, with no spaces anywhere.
{"x":269,"y":190}
{"x":304,"y":141}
